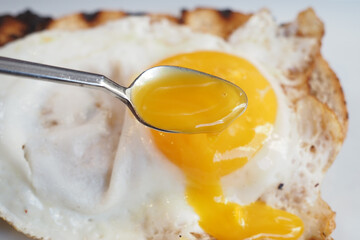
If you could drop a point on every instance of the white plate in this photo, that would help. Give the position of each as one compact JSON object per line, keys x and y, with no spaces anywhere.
{"x":340,"y":48}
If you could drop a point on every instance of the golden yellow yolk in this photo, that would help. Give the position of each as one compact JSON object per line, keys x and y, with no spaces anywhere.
{"x":204,"y":158}
{"x":187,"y":101}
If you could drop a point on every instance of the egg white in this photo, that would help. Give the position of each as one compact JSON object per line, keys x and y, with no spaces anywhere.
{"x":76,"y":165}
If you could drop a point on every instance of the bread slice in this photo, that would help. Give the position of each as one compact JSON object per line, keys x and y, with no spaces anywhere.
{"x":316,"y":94}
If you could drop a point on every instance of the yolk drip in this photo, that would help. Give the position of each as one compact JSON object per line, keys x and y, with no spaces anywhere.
{"x":205,"y":158}
{"x":187,"y":101}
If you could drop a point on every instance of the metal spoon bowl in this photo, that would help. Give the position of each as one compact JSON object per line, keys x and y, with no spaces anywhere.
{"x":44,"y":72}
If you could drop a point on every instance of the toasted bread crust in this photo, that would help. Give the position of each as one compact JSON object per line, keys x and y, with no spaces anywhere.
{"x":319,"y":82}
{"x":215,"y":22}
{"x":14,"y":27}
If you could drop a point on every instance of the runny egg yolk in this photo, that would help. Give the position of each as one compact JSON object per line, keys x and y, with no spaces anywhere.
{"x":187,"y":101}
{"x":205,"y":158}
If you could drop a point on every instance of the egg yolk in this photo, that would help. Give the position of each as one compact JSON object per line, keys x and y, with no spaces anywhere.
{"x":205,"y":158}
{"x":187,"y":101}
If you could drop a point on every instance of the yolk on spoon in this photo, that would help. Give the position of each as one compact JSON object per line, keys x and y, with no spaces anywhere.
{"x":201,"y":157}
{"x":187,"y":101}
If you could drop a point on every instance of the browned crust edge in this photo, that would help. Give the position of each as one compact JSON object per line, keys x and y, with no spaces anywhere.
{"x":13,"y":27}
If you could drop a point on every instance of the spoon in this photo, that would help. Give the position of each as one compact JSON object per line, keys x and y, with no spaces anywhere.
{"x":85,"y":79}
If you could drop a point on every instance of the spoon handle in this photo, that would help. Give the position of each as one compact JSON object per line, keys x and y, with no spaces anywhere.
{"x":60,"y":75}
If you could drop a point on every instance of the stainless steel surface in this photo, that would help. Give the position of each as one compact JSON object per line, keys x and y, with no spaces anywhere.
{"x":44,"y":72}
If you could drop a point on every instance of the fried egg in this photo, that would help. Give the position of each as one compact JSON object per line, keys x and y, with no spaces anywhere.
{"x":75,"y":164}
